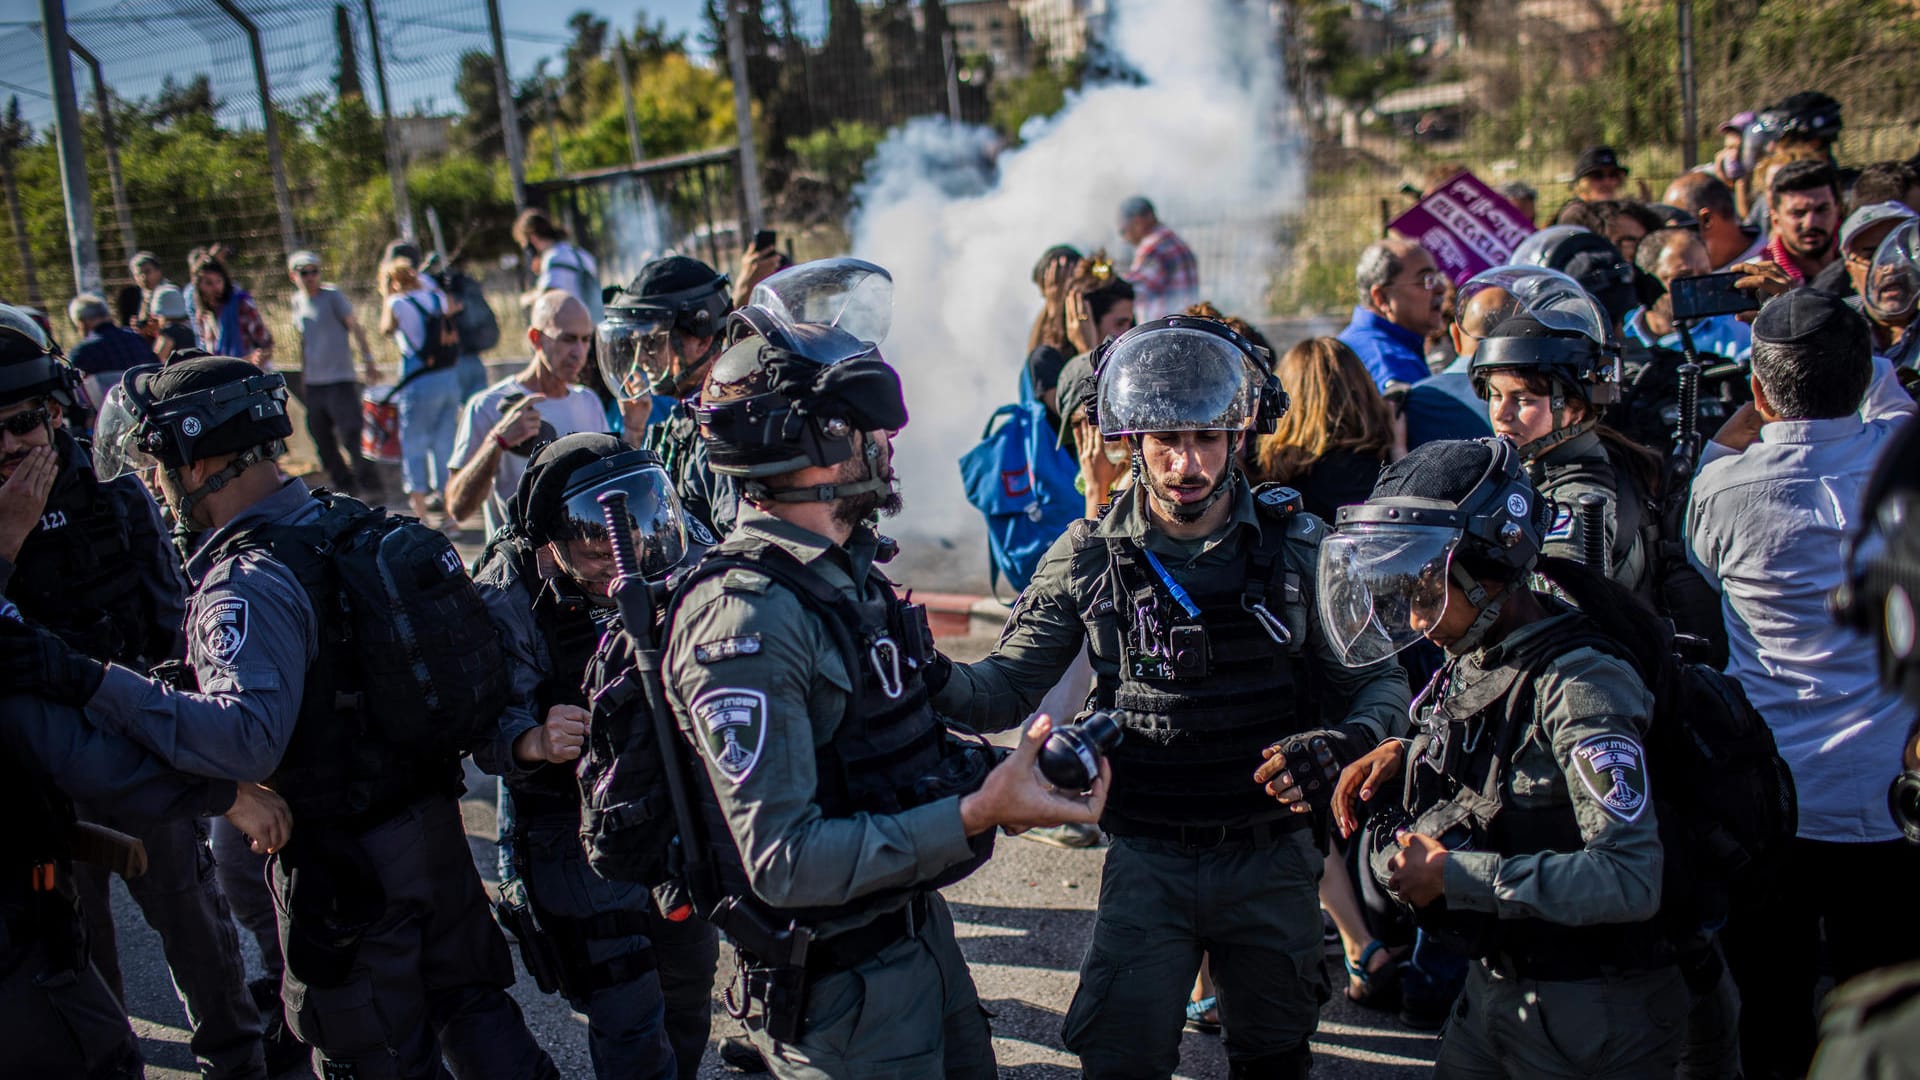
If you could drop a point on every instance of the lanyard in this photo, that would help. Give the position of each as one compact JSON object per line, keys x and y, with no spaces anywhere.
{"x":1179,"y":594}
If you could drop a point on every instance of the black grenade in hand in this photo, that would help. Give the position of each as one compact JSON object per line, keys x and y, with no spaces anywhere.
{"x":1071,"y":758}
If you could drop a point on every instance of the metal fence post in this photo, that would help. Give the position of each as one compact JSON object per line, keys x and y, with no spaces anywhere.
{"x":396,"y":162}
{"x":275,"y":164}
{"x":509,"y":110}
{"x":743,"y":118}
{"x":626,"y":98}
{"x":104,"y":104}
{"x":81,"y":243}
{"x":1689,"y":118}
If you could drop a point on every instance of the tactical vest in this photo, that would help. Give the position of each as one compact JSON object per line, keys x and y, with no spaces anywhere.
{"x":1195,"y":724}
{"x":339,"y":768}
{"x":708,"y":498}
{"x":1457,"y":791}
{"x":1633,"y":518}
{"x":890,"y":753}
{"x":76,"y":573}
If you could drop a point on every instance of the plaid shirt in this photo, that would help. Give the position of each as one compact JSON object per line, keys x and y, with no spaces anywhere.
{"x":253,"y":328}
{"x":1166,"y":279}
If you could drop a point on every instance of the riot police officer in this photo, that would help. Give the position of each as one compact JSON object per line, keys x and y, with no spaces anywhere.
{"x":1530,"y":838}
{"x":836,"y":801}
{"x":392,"y":960}
{"x":1192,"y":594}
{"x":602,"y":944}
{"x":92,"y":561}
{"x":57,"y":1015}
{"x":1545,"y":370}
{"x":661,"y":334}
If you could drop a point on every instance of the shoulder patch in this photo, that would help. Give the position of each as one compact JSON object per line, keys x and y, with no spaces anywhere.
{"x":732,"y":723}
{"x":1614,"y":770}
{"x":1562,"y":522}
{"x":748,"y":581}
{"x":222,"y":628}
{"x":727,"y":648}
{"x":699,"y":532}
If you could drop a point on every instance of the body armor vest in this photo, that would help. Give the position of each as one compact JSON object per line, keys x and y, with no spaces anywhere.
{"x":890,"y":753}
{"x":1458,"y":792}
{"x":339,"y":768}
{"x":1196,"y":723}
{"x":75,"y":573}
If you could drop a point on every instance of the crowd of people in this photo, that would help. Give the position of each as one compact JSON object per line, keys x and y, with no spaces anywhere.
{"x":1545,"y":637}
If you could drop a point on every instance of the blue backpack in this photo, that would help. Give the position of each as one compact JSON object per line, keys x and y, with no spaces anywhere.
{"x":1024,"y":484}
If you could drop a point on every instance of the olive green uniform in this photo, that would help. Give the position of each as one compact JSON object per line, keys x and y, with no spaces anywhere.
{"x":1581,"y":749}
{"x":1581,"y":466}
{"x":1241,"y":886}
{"x":744,"y":639}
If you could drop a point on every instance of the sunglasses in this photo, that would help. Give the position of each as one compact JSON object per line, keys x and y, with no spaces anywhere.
{"x":309,"y":271}
{"x":23,"y":424}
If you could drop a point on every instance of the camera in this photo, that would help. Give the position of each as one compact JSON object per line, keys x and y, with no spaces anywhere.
{"x":1187,"y":649}
{"x":1071,"y":758}
{"x":1903,"y":799}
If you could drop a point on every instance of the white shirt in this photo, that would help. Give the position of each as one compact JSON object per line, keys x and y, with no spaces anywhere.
{"x":560,"y":269}
{"x":579,"y":411}
{"x":1768,"y":525}
{"x":409,"y":328}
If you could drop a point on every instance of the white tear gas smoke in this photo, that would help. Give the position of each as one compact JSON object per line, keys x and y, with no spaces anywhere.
{"x":1205,"y":134}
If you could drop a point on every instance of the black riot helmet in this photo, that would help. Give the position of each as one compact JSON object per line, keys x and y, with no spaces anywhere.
{"x":1182,"y":373}
{"x":1881,"y":596}
{"x":1452,"y":510}
{"x":1590,"y":259}
{"x":1808,"y":113}
{"x":191,"y":411}
{"x":1545,"y":323}
{"x":672,"y":301}
{"x":31,"y":365}
{"x":558,"y":500}
{"x":802,"y":377}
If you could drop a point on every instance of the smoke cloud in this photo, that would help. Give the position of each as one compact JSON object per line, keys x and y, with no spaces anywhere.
{"x":1205,"y":134}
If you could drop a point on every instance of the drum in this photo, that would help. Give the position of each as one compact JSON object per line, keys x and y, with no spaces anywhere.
{"x":380,"y":430}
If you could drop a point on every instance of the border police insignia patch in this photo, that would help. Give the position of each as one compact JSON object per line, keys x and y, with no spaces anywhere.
{"x":699,"y":532}
{"x":1614,"y":769}
{"x":223,"y":629}
{"x":733,"y":724}
{"x":727,"y":648}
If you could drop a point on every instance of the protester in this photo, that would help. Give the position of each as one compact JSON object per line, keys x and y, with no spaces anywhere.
{"x":1711,"y":202}
{"x":1337,"y":433}
{"x":1165,"y":275}
{"x":1775,"y":494}
{"x":176,"y":323}
{"x":556,"y":263}
{"x":1100,"y":303}
{"x":146,"y":271}
{"x":429,"y":396}
{"x":501,"y":425}
{"x":1672,"y":253}
{"x":1401,"y":295}
{"x":1625,"y":223}
{"x":1523,"y":197}
{"x":1051,"y":275}
{"x":1444,"y":405}
{"x":1885,"y":278}
{"x":1804,"y":202}
{"x":1598,"y":174}
{"x":106,"y":351}
{"x":225,"y":315}
{"x":1886,"y":181}
{"x":1727,"y":165}
{"x":324,"y":319}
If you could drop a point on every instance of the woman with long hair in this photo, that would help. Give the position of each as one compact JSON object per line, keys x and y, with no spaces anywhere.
{"x":1337,"y":433}
{"x":429,"y":395}
{"x":225,"y":316}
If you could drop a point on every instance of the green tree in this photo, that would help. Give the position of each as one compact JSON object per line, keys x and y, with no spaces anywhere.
{"x":346,"y":80}
{"x":15,"y":134}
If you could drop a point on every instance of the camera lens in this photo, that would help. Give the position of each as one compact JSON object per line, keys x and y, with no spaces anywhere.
{"x":1071,"y":758}
{"x":1903,"y":799}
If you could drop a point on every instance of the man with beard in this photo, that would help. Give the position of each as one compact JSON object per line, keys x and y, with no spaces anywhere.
{"x":834,"y":801}
{"x":500,"y":424}
{"x":1804,"y":201}
{"x":1193,"y":595}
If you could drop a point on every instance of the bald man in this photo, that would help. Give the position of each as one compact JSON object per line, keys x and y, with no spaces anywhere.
{"x":1708,"y":198}
{"x":1444,"y":406}
{"x":1401,"y":292}
{"x":500,"y":425}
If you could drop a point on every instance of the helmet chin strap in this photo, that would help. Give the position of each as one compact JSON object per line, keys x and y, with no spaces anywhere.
{"x":758,"y":491}
{"x":668,"y":384}
{"x":1186,"y":513}
{"x":1484,"y":602}
{"x":184,"y":504}
{"x":1562,"y":431}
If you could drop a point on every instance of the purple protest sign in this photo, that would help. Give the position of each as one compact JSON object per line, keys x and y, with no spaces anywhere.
{"x":1465,"y":225}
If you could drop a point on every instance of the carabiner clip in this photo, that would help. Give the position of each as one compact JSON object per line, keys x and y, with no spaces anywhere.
{"x":885,"y":657}
{"x":1275,"y":629}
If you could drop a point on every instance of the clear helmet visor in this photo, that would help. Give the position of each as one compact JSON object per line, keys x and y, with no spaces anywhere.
{"x":1893,"y":281}
{"x":654,"y":522}
{"x":1175,"y":379}
{"x":1382,"y":587}
{"x":1556,"y":300}
{"x":635,"y":351}
{"x":850,"y":295}
{"x":116,"y":445}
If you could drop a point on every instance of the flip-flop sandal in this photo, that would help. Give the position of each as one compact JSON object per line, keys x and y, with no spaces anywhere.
{"x":1197,"y":1015}
{"x":1378,"y":989}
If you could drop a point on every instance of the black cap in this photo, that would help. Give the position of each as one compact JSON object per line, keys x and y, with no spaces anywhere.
{"x":673,"y":274}
{"x":1812,"y":317}
{"x":538,"y":499}
{"x":1595,"y":158}
{"x":1043,"y":367}
{"x":1673,"y":217}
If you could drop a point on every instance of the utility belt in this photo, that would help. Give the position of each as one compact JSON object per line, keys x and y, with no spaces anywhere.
{"x":1571,"y":967}
{"x":780,"y":985}
{"x":1261,"y":834}
{"x":556,"y":949}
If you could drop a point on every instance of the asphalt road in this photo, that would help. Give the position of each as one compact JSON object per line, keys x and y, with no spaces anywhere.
{"x":1024,"y":921}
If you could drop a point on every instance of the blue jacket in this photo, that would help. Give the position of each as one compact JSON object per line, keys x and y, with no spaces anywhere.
{"x":1444,"y":406}
{"x":1391,"y":353}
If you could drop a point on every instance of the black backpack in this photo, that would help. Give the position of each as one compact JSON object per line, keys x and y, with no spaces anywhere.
{"x":627,"y":822}
{"x":440,"y":338}
{"x":475,"y":322}
{"x":432,"y":672}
